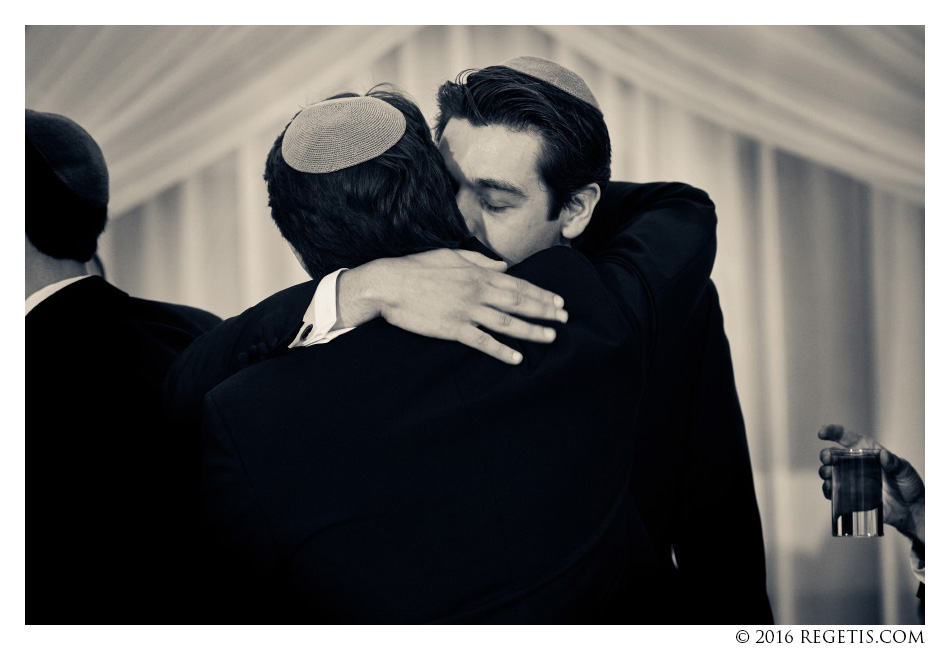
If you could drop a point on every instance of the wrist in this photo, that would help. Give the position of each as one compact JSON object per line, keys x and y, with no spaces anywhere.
{"x":359,"y":295}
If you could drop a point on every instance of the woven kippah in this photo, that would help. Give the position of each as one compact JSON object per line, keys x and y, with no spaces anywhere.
{"x":554,"y":74}
{"x":340,"y":133}
{"x":71,"y":154}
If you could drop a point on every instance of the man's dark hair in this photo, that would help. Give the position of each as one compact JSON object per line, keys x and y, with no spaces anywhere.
{"x":59,"y":223}
{"x":400,"y":202}
{"x":575,"y":144}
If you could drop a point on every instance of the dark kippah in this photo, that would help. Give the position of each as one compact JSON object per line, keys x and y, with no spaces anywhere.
{"x":339,"y":133}
{"x":555,"y":74}
{"x":71,"y":155}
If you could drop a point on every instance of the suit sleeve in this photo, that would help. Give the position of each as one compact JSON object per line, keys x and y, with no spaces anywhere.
{"x":661,"y":236}
{"x":258,"y":333}
{"x":718,"y":470}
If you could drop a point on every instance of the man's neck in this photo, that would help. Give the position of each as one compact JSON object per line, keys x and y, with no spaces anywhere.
{"x":42,"y":271}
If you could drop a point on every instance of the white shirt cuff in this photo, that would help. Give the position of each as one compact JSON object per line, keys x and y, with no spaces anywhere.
{"x":321,"y":315}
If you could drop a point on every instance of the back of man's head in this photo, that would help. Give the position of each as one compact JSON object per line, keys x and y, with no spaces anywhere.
{"x":67,"y":187}
{"x":533,"y":94}
{"x":356,"y":178}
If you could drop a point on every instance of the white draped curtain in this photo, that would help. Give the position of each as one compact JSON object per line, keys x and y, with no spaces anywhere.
{"x":809,"y":139}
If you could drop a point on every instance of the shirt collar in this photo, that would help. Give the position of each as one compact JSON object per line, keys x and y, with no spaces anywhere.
{"x":39,"y":296}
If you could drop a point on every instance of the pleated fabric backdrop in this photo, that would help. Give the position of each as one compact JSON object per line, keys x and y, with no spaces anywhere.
{"x":809,"y":139}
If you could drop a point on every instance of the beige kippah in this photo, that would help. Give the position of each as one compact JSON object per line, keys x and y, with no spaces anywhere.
{"x":340,"y":133}
{"x":555,"y":74}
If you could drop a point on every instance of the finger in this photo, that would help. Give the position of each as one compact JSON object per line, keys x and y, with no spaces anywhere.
{"x":889,"y":461}
{"x":524,"y":290}
{"x":826,"y":489}
{"x":832,"y":432}
{"x":505,"y":323}
{"x":846,"y":437}
{"x":482,"y":260}
{"x":512,"y":302}
{"x":825,"y":456}
{"x":893,"y":464}
{"x":483,"y":342}
{"x":824,"y":471}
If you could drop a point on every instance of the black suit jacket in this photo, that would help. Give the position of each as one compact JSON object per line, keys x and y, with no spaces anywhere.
{"x":392,"y":478}
{"x":107,"y":475}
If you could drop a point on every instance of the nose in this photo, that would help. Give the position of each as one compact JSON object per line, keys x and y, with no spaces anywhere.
{"x":468,"y":206}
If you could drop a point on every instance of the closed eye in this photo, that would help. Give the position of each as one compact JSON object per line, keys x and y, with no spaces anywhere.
{"x":491,"y":207}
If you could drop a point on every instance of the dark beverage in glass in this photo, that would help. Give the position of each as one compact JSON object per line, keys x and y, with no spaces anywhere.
{"x":857,"y":507}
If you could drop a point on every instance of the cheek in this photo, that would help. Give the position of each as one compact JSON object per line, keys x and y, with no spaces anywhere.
{"x":516,"y":240}
{"x":541,"y":234}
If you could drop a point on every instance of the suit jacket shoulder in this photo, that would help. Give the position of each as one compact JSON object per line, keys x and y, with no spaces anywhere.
{"x":105,"y":467}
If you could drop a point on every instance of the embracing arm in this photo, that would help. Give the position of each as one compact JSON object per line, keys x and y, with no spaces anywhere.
{"x":449,"y":294}
{"x":658,"y":235}
{"x":662,"y":235}
{"x":443,"y":293}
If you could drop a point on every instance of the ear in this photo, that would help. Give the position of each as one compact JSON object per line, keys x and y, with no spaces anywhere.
{"x":576,"y":214}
